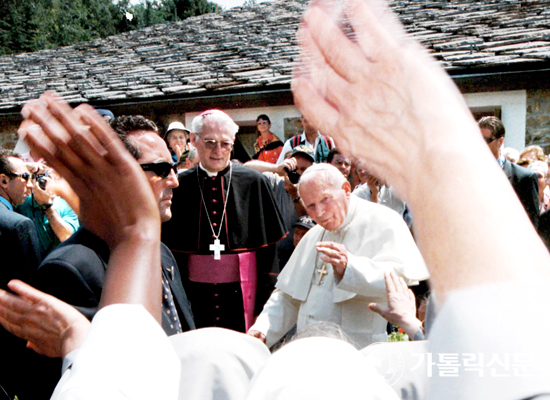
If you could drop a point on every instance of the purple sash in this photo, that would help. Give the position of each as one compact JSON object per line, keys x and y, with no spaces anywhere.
{"x":249,"y":280}
{"x":230,"y":268}
{"x":204,"y":269}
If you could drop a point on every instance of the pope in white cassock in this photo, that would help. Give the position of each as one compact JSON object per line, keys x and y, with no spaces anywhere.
{"x":338,"y":267}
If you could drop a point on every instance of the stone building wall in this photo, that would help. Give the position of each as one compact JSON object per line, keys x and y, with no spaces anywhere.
{"x":10,"y":124}
{"x":537,"y":122}
{"x":8,"y":132}
{"x":538,"y":118}
{"x":293,"y":126}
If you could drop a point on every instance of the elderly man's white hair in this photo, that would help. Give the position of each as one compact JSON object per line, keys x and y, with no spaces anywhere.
{"x":539,"y":166}
{"x":193,"y":154}
{"x":327,"y":172}
{"x":214,"y":118}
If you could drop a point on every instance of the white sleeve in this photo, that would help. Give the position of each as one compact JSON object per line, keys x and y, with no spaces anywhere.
{"x":279,"y":315}
{"x":363,"y":191}
{"x":497,"y":334}
{"x":286,"y":148}
{"x":273,"y":179}
{"x":365,"y":277}
{"x":391,"y":249}
{"x":126,"y":355}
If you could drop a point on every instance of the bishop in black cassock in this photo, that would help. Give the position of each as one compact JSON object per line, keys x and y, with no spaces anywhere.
{"x":231,"y":291}
{"x":252,"y":223}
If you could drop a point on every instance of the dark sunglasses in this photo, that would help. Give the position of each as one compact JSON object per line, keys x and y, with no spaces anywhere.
{"x":161,"y":169}
{"x":25,"y":176}
{"x":490,"y":139}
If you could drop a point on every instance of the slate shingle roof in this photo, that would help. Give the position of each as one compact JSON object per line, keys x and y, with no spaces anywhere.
{"x":252,"y":49}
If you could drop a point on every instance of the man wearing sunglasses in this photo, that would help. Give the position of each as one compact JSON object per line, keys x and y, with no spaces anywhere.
{"x":224,"y":228}
{"x":18,"y":240}
{"x":75,"y":271}
{"x":19,"y":250}
{"x":524,"y":182}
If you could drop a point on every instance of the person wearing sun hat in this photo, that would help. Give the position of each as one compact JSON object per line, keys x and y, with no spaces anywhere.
{"x":177,"y":138}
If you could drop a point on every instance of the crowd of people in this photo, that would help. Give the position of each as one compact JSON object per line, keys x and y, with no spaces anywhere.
{"x":148,"y":264}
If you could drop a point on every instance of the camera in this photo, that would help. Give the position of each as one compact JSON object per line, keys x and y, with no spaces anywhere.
{"x":42,"y":180}
{"x":293,"y":176}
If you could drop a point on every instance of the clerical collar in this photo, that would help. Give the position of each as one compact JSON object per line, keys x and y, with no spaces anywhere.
{"x":6,"y":203}
{"x":213,"y":174}
{"x":210,"y":174}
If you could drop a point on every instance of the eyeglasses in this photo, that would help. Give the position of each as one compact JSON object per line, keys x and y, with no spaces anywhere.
{"x":25,"y":176}
{"x":212,"y":144}
{"x":490,"y":139}
{"x":262,"y":123}
{"x":161,"y":169}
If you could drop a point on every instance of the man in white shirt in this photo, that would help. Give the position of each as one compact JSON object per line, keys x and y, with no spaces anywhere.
{"x":320,"y":144}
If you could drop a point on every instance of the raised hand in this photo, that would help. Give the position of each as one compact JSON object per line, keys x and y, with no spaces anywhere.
{"x":178,"y":150}
{"x":401,"y":308}
{"x":116,"y":201}
{"x":335,"y":254}
{"x":387,"y":102}
{"x":82,"y":147}
{"x":374,"y":92}
{"x":51,"y":326}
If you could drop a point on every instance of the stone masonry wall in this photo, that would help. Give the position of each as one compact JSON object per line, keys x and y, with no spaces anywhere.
{"x":537,"y":123}
{"x":8,"y":128}
{"x":538,"y":119}
{"x":8,"y":132}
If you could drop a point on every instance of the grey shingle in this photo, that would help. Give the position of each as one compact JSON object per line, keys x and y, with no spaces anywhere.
{"x":255,"y":47}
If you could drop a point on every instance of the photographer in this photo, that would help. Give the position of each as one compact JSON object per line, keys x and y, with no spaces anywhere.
{"x":283,"y":179}
{"x":55,"y":221}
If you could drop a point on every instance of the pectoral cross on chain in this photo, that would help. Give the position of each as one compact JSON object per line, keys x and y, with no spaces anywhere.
{"x":216,"y":248}
{"x":322,"y":272}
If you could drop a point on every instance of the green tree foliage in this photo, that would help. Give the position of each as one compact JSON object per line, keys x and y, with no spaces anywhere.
{"x":30,"y":25}
{"x":17,"y":26}
{"x":181,"y":9}
{"x":64,"y":22}
{"x":147,"y":13}
{"x":150,"y":13}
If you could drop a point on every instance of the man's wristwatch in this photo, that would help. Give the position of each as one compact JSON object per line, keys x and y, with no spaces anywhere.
{"x":45,"y":207}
